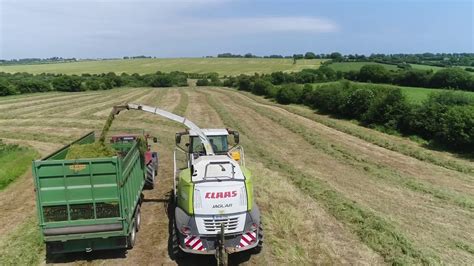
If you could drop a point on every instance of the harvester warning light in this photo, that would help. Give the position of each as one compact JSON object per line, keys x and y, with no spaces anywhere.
{"x":235,"y":155}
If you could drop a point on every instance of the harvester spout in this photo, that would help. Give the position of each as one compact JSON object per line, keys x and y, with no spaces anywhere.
{"x":157,"y":111}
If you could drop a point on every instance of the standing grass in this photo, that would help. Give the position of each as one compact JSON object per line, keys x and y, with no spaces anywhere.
{"x":14,"y":161}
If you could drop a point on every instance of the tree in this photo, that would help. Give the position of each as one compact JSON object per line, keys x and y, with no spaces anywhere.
{"x":289,"y":93}
{"x":310,"y":55}
{"x":6,"y":89}
{"x":336,"y":57}
{"x":202,"y":82}
{"x":374,"y":73}
{"x":453,"y":77}
{"x":261,"y":87}
{"x":67,"y":83}
{"x":162,"y":80}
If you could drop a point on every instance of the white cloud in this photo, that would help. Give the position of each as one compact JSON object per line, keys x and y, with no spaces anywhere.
{"x":260,"y":25}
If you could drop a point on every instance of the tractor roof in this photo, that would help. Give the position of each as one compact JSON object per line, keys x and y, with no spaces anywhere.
{"x":211,"y":132}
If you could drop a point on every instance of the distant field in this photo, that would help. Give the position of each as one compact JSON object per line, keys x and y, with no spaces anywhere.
{"x":356,"y":66}
{"x":223,"y":66}
{"x":425,"y":67}
{"x":414,"y":94}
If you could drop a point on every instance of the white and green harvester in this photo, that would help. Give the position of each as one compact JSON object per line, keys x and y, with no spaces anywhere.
{"x":215,"y":213}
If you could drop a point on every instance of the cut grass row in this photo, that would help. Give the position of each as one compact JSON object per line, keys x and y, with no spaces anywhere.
{"x":14,"y":161}
{"x":180,"y":109}
{"x":381,"y":171}
{"x":23,"y":246}
{"x":412,"y":150}
{"x":374,"y":231}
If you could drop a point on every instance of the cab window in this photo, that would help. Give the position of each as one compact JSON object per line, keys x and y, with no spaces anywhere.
{"x":219,"y":144}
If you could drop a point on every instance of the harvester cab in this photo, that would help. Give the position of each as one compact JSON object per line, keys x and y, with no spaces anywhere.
{"x":215,"y":213}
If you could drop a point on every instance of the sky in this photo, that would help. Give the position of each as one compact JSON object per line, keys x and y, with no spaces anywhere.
{"x":196,"y":28}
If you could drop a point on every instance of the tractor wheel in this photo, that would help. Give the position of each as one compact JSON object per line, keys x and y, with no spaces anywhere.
{"x":132,"y":237}
{"x":138,"y":218}
{"x":176,"y":251}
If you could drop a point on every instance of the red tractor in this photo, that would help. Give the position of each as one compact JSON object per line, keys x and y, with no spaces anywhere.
{"x":150,"y":158}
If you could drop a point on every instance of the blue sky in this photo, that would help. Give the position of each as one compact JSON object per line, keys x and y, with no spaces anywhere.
{"x":178,"y":28}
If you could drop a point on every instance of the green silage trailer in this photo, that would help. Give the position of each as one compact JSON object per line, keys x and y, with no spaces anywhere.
{"x":93,"y":204}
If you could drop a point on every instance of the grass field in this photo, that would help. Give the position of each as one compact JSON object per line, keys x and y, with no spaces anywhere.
{"x":14,"y":160}
{"x":330,"y":192}
{"x":355,"y":66}
{"x":414,"y":94}
{"x":223,"y":66}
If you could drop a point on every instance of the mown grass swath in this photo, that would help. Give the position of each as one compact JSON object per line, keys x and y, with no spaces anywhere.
{"x":374,"y":231}
{"x":14,"y":161}
{"x":180,"y":109}
{"x":413,"y":150}
{"x":381,"y":171}
{"x":23,"y":246}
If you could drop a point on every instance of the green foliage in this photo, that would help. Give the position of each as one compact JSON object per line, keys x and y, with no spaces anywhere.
{"x":93,"y":150}
{"x":387,"y":110}
{"x":359,"y":102}
{"x":374,"y":73}
{"x":289,"y":93}
{"x":6,"y":89}
{"x":453,"y":78}
{"x":202,"y":82}
{"x":261,"y":87}
{"x":67,"y":83}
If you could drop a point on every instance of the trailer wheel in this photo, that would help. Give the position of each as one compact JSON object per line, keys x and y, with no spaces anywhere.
{"x":132,"y":237}
{"x":138,"y":218}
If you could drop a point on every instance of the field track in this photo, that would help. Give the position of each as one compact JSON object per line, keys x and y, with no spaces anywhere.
{"x":330,"y":192}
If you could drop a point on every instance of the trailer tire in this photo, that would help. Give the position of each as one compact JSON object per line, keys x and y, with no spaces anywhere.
{"x":138,"y":218}
{"x":132,"y":237}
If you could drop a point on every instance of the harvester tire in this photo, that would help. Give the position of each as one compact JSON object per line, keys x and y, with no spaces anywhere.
{"x":132,"y":237}
{"x":150,"y":180}
{"x":176,"y":251}
{"x":259,"y":246}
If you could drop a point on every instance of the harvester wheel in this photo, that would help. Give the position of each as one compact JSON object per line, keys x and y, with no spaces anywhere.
{"x":259,"y":246}
{"x":176,"y":251}
{"x":150,"y":179}
{"x":132,"y":237}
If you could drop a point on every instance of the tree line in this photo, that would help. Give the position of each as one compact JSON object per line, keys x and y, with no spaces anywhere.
{"x":19,"y":83}
{"x":446,"y":118}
